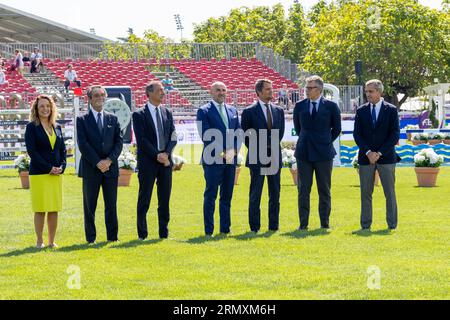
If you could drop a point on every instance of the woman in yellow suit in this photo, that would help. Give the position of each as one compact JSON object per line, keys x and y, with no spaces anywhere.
{"x":47,"y":151}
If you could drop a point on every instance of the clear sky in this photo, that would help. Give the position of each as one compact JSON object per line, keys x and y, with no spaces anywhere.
{"x":111,"y":19}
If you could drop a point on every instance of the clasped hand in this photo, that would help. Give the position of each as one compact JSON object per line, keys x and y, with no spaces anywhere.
{"x":104,"y":165}
{"x":373,"y":157}
{"x":55,"y":171}
{"x":163,"y":158}
{"x":229,"y":156}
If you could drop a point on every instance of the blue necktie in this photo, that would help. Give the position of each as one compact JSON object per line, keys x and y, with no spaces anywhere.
{"x":99,"y":123}
{"x":314,"y":110}
{"x":374,"y":116}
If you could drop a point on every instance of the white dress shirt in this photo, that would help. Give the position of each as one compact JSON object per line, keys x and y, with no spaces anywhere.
{"x":264,"y":109}
{"x":311,"y":106}
{"x":152,"y":110}
{"x":377,"y":107}
{"x":95,"y":113}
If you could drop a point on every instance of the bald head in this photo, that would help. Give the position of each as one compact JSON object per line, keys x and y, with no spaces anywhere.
{"x":218,"y":92}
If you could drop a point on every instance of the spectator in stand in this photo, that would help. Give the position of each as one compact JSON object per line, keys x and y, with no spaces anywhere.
{"x":2,"y":77}
{"x":168,"y":83}
{"x":71,"y":76}
{"x":26,"y":58}
{"x":36,"y":61}
{"x":17,"y":63}
{"x":283,"y":97}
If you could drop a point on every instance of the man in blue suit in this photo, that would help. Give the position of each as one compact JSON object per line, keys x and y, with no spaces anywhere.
{"x":376,"y":133}
{"x":218,"y":126}
{"x":263,"y":124}
{"x":156,"y":138}
{"x":317,"y":122}
{"x":100,"y":143}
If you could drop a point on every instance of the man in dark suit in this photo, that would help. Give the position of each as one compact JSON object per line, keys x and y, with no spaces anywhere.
{"x":376,"y":133}
{"x":100,"y":143}
{"x":263,"y":124}
{"x":156,"y":138}
{"x":218,"y":124}
{"x":317,"y":122}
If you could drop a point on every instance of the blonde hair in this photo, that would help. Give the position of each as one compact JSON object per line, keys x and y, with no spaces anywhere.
{"x":34,"y":115}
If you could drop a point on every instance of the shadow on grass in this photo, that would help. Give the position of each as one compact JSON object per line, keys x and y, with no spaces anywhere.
{"x":18,"y":253}
{"x":302,"y":234}
{"x":252,"y":236}
{"x":137,"y":243}
{"x":205,"y":239}
{"x":369,"y":233}
{"x":84,"y":246}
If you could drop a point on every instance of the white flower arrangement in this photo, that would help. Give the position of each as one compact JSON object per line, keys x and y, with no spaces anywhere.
{"x":70,"y":144}
{"x":240,"y":160}
{"x":355,"y":163}
{"x":428,"y":158}
{"x":127,"y":161}
{"x":288,"y":158}
{"x":420,"y":137}
{"x":436,"y":136}
{"x":178,"y":160}
{"x":22,"y":163}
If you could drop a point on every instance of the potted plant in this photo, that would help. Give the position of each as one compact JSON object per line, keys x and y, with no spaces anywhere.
{"x":411,"y":127}
{"x":289,"y":161}
{"x":447,"y":138}
{"x":419,"y":138}
{"x":435,"y":138}
{"x":177,"y":162}
{"x":355,"y":165}
{"x":22,"y":164}
{"x":70,"y":146}
{"x":427,"y":164}
{"x":127,"y":165}
{"x":239,"y":163}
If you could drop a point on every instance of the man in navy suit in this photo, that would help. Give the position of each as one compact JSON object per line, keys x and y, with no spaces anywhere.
{"x":218,"y":126}
{"x":376,"y":133}
{"x":263,"y":124}
{"x":100,"y":143}
{"x":156,"y":138}
{"x":317,"y":122}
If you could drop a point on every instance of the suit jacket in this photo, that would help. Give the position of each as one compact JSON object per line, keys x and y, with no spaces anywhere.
{"x":382,"y":138}
{"x":209,"y":118}
{"x":316,"y":137}
{"x":253,"y":118}
{"x":43,"y":157}
{"x":146,"y":137}
{"x":95,"y":147}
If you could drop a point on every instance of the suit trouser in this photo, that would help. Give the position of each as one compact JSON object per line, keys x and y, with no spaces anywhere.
{"x":91,"y":190}
{"x":323,"y":171}
{"x":387,"y":177}
{"x":163,"y":177}
{"x":256,"y":188}
{"x":218,"y":176}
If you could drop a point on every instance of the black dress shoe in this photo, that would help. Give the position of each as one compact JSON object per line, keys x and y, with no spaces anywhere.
{"x":303,"y":228}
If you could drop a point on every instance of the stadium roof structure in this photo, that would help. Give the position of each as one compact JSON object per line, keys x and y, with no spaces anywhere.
{"x":23,"y":27}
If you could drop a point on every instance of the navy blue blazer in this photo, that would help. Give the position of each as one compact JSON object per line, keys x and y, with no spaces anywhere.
{"x":43,"y":157}
{"x":95,"y":147}
{"x":146,"y":137}
{"x":316,"y":137}
{"x":382,"y":138}
{"x":209,"y":118}
{"x":253,"y":118}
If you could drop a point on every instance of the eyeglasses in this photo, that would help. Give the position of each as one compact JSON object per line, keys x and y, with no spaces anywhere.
{"x":310,"y":88}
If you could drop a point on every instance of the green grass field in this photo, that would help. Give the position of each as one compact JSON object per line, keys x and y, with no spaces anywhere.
{"x":414,"y":261}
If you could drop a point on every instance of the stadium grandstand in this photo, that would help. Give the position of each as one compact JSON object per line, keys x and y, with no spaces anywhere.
{"x":193,"y":66}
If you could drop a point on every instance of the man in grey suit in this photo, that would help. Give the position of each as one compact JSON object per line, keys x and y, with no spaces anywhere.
{"x":376,"y":133}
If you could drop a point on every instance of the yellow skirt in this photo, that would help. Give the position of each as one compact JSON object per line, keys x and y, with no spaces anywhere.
{"x":46,"y":193}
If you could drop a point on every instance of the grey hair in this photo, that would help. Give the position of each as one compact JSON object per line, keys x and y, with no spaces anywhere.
{"x":377,"y":84}
{"x":91,"y":90}
{"x":318,"y":80}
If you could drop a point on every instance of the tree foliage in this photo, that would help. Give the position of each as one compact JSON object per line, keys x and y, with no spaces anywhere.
{"x":402,"y":43}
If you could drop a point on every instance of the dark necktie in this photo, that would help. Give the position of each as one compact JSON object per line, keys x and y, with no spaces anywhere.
{"x":160,"y":129}
{"x":374,"y":116}
{"x":269,"y":117}
{"x":314,"y":110}
{"x":99,"y":123}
